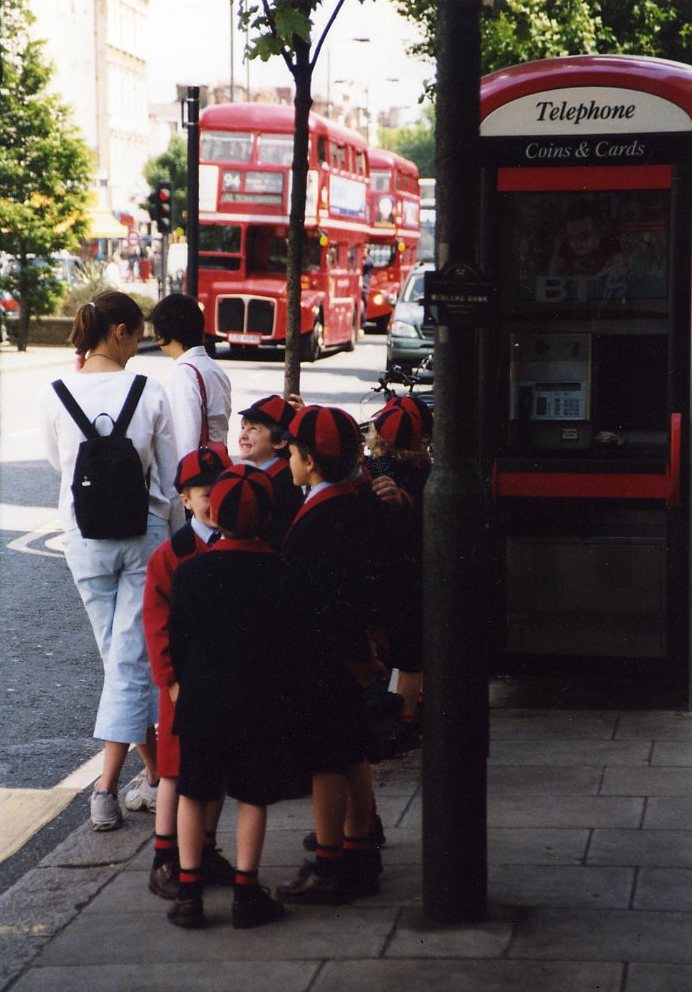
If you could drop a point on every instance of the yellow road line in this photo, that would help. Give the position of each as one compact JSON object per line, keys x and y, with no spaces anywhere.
{"x":23,"y":812}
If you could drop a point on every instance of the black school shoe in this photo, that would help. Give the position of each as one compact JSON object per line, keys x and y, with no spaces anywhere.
{"x":362,"y":871}
{"x":216,"y":870}
{"x":188,"y":913}
{"x":253,"y":906}
{"x":163,"y":881}
{"x":312,"y":889}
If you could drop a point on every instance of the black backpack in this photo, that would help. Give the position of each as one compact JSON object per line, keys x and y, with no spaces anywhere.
{"x":111,"y":495}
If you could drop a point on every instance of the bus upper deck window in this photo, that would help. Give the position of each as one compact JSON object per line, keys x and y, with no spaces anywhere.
{"x":360,"y":163}
{"x":275,"y":149}
{"x":223,"y":146}
{"x":379,"y":180}
{"x":322,"y":149}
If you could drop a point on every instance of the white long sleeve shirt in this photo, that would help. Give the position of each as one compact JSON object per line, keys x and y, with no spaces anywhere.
{"x":182,"y":389}
{"x":150,"y":430}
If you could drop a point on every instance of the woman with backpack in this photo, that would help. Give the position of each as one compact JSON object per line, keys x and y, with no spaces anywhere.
{"x":109,"y":434}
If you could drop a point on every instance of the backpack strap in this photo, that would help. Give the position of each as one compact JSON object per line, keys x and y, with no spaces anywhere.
{"x":74,"y":409}
{"x":129,"y":406}
{"x":204,"y":429}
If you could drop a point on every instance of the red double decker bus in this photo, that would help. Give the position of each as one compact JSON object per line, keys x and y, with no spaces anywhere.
{"x":246,"y":150}
{"x":392,"y":248}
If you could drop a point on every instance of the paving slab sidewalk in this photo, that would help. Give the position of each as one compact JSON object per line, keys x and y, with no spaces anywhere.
{"x":589,"y":881}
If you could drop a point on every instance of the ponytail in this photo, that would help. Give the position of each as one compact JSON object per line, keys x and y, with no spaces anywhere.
{"x":93,"y":320}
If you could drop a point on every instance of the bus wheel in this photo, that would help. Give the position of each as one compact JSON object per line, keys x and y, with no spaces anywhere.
{"x":351,"y":343}
{"x":312,"y":344}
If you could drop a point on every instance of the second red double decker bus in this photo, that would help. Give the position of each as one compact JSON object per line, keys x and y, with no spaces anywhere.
{"x":246,"y":151}
{"x":394,"y":233}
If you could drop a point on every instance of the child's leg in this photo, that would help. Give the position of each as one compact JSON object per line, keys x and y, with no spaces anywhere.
{"x":358,"y":820}
{"x":252,"y":904}
{"x":323,"y":883}
{"x":329,"y":800}
{"x":362,"y":861}
{"x":188,"y":911}
{"x":252,"y":825}
{"x":216,"y":870}
{"x":191,"y":830}
{"x":163,"y":878}
{"x":166,"y":807}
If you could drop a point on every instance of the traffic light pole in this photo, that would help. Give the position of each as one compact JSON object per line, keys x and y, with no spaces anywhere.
{"x":455,"y":532}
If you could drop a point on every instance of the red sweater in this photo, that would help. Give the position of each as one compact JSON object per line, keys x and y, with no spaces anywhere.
{"x":157,"y":599}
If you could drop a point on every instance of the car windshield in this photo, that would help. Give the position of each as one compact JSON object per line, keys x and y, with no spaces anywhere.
{"x":413,"y":289}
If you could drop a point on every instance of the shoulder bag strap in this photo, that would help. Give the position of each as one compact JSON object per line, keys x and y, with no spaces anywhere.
{"x":204,"y":431}
{"x":129,"y":406}
{"x":74,"y":409}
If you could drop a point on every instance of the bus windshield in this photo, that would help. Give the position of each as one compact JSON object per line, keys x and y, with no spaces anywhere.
{"x":225,"y":146}
{"x":275,"y":149}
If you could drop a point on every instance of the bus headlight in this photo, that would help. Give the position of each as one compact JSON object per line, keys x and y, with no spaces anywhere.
{"x":402,"y":329}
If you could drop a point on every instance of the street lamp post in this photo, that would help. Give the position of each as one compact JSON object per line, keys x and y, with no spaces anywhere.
{"x":232,"y":53}
{"x":361,"y":40}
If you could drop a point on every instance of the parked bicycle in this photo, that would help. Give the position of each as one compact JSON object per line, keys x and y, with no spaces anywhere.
{"x":386,"y":389}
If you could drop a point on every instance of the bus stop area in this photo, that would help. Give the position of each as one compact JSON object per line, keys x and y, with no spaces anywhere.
{"x":590,"y":880}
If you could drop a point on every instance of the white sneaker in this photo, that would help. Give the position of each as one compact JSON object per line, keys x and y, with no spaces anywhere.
{"x":141,"y":795}
{"x":105,"y":812}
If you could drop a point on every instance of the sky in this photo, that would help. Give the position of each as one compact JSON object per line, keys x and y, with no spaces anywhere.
{"x":194,"y":49}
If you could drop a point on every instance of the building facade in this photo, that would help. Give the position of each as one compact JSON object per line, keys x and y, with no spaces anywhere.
{"x":98,"y":48}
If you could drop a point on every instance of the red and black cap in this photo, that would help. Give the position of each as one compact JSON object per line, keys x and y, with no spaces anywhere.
{"x":413,"y":402}
{"x":199,"y":468}
{"x":272,"y":410}
{"x":241,"y":500}
{"x":403,"y":422}
{"x":326,"y":430}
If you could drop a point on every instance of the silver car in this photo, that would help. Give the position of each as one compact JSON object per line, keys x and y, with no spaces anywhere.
{"x":408,"y":341}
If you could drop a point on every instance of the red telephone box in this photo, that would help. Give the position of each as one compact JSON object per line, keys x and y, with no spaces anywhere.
{"x":587,"y":236}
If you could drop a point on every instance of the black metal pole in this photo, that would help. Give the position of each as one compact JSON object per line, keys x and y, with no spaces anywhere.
{"x":192,"y":228}
{"x":456,"y":690}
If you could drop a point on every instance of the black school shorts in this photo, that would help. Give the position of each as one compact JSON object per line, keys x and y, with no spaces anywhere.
{"x":212,"y":768}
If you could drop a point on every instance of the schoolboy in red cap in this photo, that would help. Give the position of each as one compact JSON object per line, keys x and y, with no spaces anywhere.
{"x":230,"y":710}
{"x":398,"y":441}
{"x":261,"y":443}
{"x":326,"y":549}
{"x":195,"y":474}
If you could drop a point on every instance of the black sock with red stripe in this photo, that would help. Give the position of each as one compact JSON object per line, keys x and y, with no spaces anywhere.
{"x":329,"y":860}
{"x":357,"y":844}
{"x":189,"y":883}
{"x":165,"y":849}
{"x":245,"y":881}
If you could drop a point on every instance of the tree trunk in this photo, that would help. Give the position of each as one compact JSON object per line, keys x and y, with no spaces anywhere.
{"x":296,"y":230}
{"x":23,"y":324}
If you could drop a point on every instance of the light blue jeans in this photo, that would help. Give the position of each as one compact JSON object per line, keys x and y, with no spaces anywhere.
{"x":109,"y":576}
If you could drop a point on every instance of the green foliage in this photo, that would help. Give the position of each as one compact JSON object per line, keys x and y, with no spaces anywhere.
{"x":415,"y":143}
{"x":45,"y":168}
{"x":515,"y":31}
{"x":92,"y":281}
{"x":171,"y":165}
{"x":278,"y":26}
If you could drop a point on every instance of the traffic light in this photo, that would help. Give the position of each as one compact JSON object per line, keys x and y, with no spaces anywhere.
{"x":161,"y":200}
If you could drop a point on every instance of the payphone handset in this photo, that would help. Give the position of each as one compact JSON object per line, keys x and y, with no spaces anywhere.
{"x":550,"y":391}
